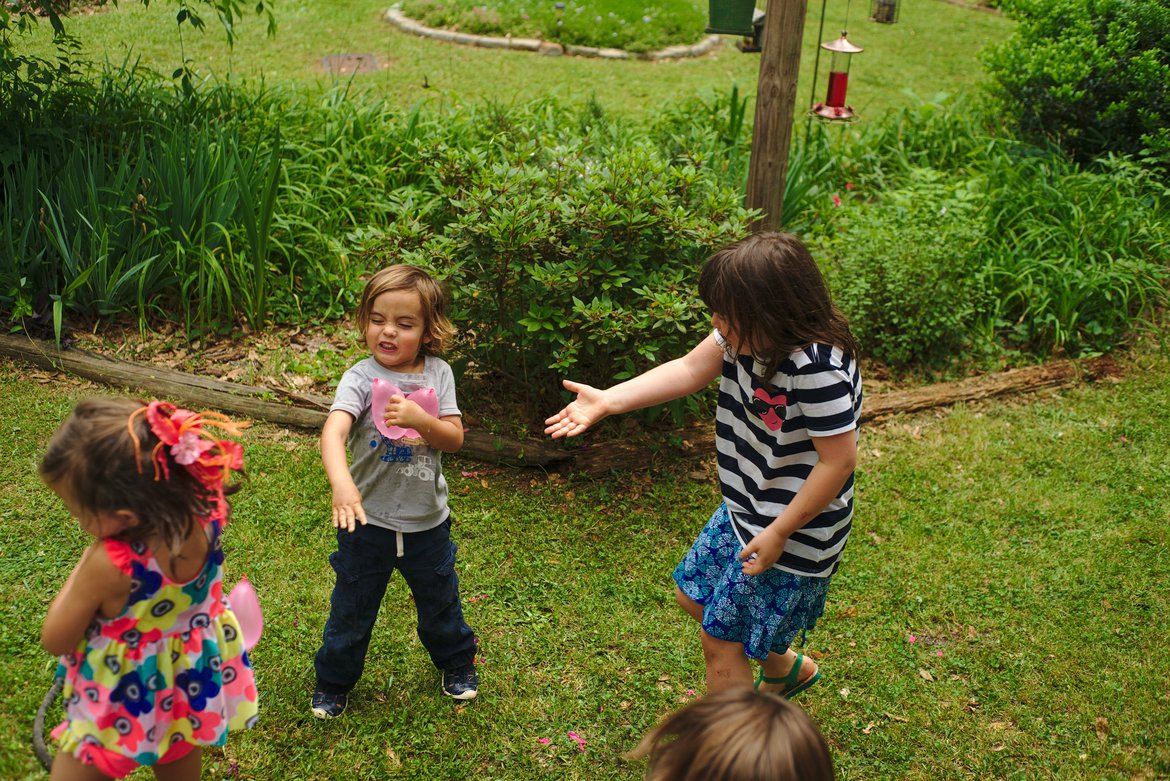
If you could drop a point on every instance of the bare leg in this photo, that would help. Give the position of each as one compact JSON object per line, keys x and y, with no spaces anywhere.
{"x":185,"y":769}
{"x":727,"y":666}
{"x":693,"y":608}
{"x":67,"y":767}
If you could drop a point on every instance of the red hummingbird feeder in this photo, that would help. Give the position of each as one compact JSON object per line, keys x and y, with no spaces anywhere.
{"x":835,"y":108}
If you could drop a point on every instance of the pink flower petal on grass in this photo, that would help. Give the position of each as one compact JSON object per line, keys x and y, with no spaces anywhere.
{"x":544,"y":741}
{"x":913,"y":638}
{"x":580,"y":740}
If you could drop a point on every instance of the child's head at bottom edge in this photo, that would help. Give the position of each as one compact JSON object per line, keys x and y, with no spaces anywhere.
{"x":737,"y":735}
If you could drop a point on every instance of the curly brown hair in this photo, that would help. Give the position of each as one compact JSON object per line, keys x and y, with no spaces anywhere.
{"x":93,"y":459}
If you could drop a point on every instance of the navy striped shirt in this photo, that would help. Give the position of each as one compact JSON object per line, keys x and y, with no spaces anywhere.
{"x":763,"y":437}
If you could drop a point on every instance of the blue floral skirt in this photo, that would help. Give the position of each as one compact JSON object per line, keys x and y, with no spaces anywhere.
{"x":764,"y":612}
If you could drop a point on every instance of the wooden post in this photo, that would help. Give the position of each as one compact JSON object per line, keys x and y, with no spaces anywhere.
{"x":775,"y":108}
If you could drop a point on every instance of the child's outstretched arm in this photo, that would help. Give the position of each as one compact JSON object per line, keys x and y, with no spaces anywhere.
{"x":94,"y":584}
{"x":672,"y":380}
{"x":347,"y":499}
{"x":836,"y":460}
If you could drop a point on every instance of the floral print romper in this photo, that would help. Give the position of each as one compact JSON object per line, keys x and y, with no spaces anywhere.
{"x":171,"y":668}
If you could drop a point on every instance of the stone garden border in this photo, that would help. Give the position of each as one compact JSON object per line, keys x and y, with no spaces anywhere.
{"x":395,"y":17}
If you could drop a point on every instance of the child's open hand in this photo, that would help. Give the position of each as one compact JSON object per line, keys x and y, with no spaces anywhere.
{"x":347,"y":508}
{"x":762,"y":552}
{"x":588,"y":408}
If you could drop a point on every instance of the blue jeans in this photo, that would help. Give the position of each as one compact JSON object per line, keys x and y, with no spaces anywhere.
{"x":364,"y":561}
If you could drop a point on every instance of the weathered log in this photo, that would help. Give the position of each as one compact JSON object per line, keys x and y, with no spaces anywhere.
{"x":699,"y":438}
{"x":304,"y":411}
{"x":309,"y":411}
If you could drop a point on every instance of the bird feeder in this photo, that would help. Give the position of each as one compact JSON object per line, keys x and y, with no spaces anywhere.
{"x":884,"y":11}
{"x":731,"y":17}
{"x":834,"y":108}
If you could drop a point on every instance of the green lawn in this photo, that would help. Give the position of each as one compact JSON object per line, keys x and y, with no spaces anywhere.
{"x":1001,"y":611}
{"x":931,"y":50}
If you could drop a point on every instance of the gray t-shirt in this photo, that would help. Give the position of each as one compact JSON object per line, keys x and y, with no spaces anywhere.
{"x":401,"y":481}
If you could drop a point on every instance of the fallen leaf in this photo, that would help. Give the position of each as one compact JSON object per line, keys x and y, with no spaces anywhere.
{"x":892,"y":717}
{"x":925,"y":675}
{"x":868,"y":728}
{"x":845,"y":694}
{"x":998,"y":747}
{"x":392,"y":758}
{"x":1101,"y":727}
{"x":850,"y":612}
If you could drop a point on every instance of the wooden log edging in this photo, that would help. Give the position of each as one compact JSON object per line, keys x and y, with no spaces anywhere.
{"x":307,"y":411}
{"x":548,"y":48}
{"x":304,"y":411}
{"x":878,"y":408}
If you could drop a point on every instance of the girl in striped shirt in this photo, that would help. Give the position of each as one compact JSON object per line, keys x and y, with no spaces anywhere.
{"x":786,"y":433}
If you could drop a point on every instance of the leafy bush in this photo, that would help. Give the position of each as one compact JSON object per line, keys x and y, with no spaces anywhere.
{"x":1090,"y":75}
{"x":568,"y":258}
{"x":904,"y":270}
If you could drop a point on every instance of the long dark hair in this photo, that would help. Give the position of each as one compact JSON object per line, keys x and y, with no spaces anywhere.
{"x":773,"y":294}
{"x":93,"y":459}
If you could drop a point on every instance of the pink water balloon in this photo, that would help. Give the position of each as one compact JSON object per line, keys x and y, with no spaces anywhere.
{"x":381,"y":392}
{"x":246,"y":605}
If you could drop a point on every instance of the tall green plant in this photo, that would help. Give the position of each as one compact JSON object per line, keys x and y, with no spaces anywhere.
{"x":1075,"y":256}
{"x":258,"y":209}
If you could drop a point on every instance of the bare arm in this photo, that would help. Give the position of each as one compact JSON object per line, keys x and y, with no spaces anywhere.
{"x":94,"y":584}
{"x":836,"y":460}
{"x":671,"y":380}
{"x":347,"y":500}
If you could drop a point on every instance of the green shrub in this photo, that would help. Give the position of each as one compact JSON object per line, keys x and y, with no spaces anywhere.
{"x":903,"y":267}
{"x":1090,"y":75}
{"x":570,"y":259}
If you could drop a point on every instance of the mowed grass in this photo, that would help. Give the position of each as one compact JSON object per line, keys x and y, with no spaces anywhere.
{"x":932,"y":50}
{"x":1001,"y":611}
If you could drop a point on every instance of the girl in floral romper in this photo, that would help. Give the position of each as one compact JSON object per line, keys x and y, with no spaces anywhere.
{"x":152,"y":655}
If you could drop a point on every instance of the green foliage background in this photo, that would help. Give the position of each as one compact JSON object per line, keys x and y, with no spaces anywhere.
{"x":1090,"y":75}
